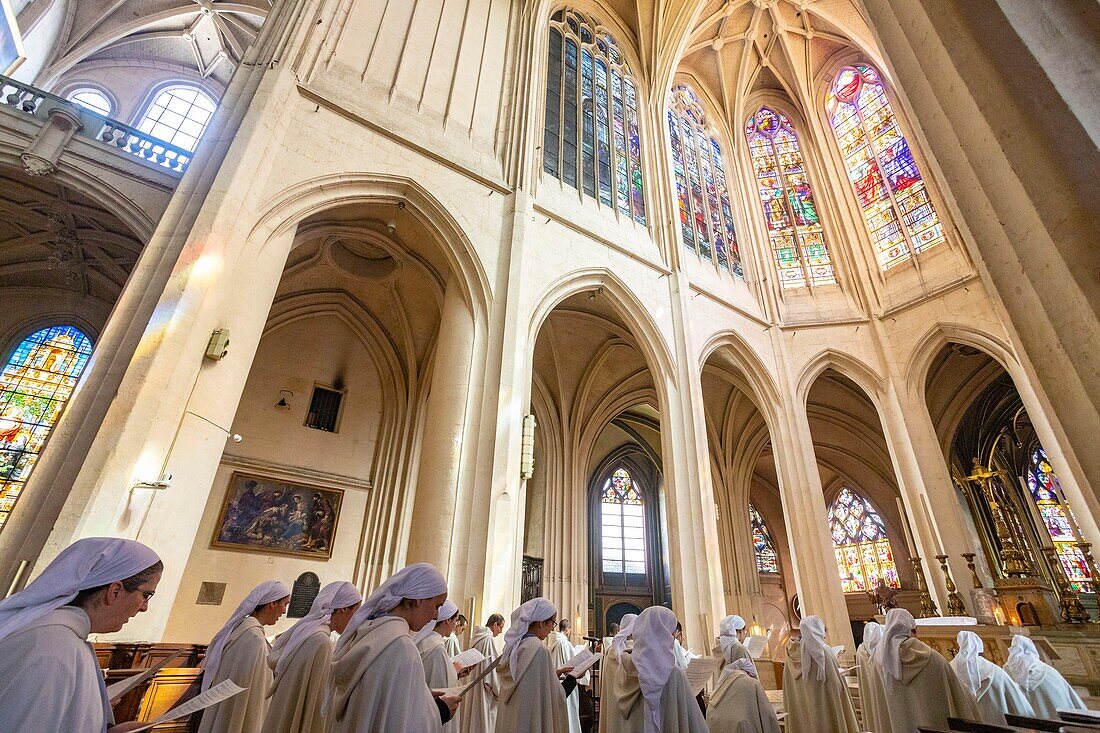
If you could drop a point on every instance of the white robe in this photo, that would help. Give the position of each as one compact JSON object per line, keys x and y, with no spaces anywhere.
{"x":928,"y":692}
{"x":871,"y":694}
{"x":378,"y":683}
{"x":998,"y":694}
{"x":479,"y":707}
{"x":49,"y":677}
{"x":609,"y":670}
{"x":736,"y":650}
{"x":812,"y":706}
{"x":1052,"y":693}
{"x":680,"y":711}
{"x":561,"y":651}
{"x":439,"y":669}
{"x":453,"y":647}
{"x":245,"y":662}
{"x":739,"y":705}
{"x":531,"y":696}
{"x":296,"y":694}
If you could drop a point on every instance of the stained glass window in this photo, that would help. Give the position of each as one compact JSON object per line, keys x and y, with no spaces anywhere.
{"x":1047,"y":493}
{"x":794,"y":226}
{"x":622,"y":530}
{"x":34,"y":387}
{"x":767,"y":559}
{"x":863,"y":553}
{"x":896,"y":207}
{"x":699,"y":174}
{"x":590,"y":136}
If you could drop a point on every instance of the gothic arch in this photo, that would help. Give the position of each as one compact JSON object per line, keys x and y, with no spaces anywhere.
{"x":851,"y":367}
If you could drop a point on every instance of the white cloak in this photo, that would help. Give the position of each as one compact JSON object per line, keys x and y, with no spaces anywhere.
{"x":928,"y":692}
{"x":439,"y":669}
{"x":680,"y":711}
{"x":378,"y":683}
{"x":531,"y":696}
{"x":739,"y":705}
{"x":872,"y":696}
{"x":245,"y":662}
{"x":479,"y":707}
{"x":49,"y":677}
{"x":561,"y":651}
{"x":812,"y":706}
{"x":453,"y":647}
{"x":998,"y":694}
{"x":1052,"y":693}
{"x":296,"y":694}
{"x":609,"y":671}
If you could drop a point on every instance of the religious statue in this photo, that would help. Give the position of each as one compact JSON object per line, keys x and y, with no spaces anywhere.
{"x":884,"y":598}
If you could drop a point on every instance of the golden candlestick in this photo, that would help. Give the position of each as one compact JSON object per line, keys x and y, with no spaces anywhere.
{"x":1012,"y":559}
{"x":927,"y":605}
{"x":1072,"y":610}
{"x":969,"y":557}
{"x":955,"y":605}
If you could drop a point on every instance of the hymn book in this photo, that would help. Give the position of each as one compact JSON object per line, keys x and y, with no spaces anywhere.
{"x":582,"y":661}
{"x":461,"y":691}
{"x":468,"y":658}
{"x":700,"y":671}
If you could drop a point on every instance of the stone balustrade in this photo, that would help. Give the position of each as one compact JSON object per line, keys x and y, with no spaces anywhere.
{"x":94,"y":126}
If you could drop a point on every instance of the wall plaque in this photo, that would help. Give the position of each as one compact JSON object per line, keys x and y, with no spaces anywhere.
{"x":304,"y":592}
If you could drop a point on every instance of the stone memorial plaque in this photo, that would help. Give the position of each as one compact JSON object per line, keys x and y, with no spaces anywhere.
{"x":305,"y":590}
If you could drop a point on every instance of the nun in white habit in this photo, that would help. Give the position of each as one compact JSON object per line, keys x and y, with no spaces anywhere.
{"x":377,"y":677}
{"x":651,"y":690}
{"x":302,"y":660}
{"x":239,"y":652}
{"x":49,"y":677}
{"x":531,"y":698}
{"x":1046,"y":689}
{"x":921,"y":690}
{"x":814,"y":694}
{"x":731,"y":637}
{"x":431,"y":642}
{"x":871,"y":694}
{"x":997,"y":693}
{"x":610,"y":717}
{"x":739,"y":703}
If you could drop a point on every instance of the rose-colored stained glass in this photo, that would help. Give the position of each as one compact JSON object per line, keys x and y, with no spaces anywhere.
{"x":36,"y":383}
{"x":863,"y":552}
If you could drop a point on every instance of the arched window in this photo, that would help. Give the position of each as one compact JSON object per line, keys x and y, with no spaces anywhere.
{"x":767,"y":559}
{"x":178,"y":116}
{"x":706,"y":217}
{"x":1047,"y":493}
{"x":794,"y":227}
{"x":34,"y":387}
{"x":899,"y":214}
{"x":863,"y":553}
{"x":622,"y":531}
{"x":590,"y":138}
{"x":93,"y":99}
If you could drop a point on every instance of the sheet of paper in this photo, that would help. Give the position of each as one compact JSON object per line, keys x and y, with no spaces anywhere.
{"x":484,"y":673}
{"x":755,"y":646}
{"x":217,"y":693}
{"x":700,"y":672}
{"x":587,"y":660}
{"x":469,"y":658}
{"x":121,"y":687}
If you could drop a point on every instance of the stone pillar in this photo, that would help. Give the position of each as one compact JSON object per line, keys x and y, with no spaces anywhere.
{"x":431,"y":534}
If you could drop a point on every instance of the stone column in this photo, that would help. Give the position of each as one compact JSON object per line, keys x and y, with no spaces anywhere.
{"x":431,"y":534}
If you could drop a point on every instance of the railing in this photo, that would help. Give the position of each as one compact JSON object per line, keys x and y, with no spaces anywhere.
{"x":37,"y":103}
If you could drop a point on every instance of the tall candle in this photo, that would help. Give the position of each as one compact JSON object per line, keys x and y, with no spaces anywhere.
{"x":905,"y":528}
{"x":935,"y":529}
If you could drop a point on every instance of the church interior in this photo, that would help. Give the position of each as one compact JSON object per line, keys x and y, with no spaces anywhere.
{"x":774,"y":308}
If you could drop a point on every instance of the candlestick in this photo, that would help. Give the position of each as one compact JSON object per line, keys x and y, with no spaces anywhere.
{"x":927,"y":605}
{"x":935,"y":529}
{"x":969,"y":557}
{"x":955,"y":605}
{"x":1072,"y":610}
{"x":905,"y":529}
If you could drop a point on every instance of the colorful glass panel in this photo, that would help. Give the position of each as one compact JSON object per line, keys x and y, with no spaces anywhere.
{"x":699,"y":175}
{"x":1046,"y":491}
{"x":622,"y":525}
{"x":767,"y":559}
{"x":591,"y":119}
{"x":36,"y":383}
{"x":863,"y":552}
{"x":794,"y":226}
{"x":896,"y":207}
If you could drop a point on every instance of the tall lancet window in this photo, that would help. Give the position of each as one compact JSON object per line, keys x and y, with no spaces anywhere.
{"x":863,"y":553}
{"x":36,"y":383}
{"x":590,"y":136}
{"x":1046,"y":491}
{"x":794,"y":227}
{"x":767,"y":559}
{"x":699,"y":172}
{"x":622,"y":531}
{"x":896,"y":207}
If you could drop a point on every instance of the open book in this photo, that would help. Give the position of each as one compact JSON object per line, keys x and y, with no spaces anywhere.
{"x":582,"y":661}
{"x":468,"y":658}
{"x":700,"y":671}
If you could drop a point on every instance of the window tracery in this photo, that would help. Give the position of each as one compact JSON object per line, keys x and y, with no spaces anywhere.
{"x":896,"y":206}
{"x":591,"y":131}
{"x":36,"y":383}
{"x":699,"y":175}
{"x":862,"y":548}
{"x":179,"y":115}
{"x":767,"y":559}
{"x":794,"y":226}
{"x":622,"y":528}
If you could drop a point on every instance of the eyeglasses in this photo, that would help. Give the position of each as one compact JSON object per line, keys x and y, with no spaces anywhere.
{"x":146,"y":594}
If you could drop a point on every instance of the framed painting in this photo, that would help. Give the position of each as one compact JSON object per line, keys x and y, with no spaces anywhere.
{"x":271,"y":516}
{"x":11,"y":42}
